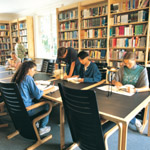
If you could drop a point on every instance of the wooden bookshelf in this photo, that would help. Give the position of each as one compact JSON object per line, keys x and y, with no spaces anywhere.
{"x":26,"y":36}
{"x":129,"y":25}
{"x":68,"y":26}
{"x":94,"y":29}
{"x":5,"y":46}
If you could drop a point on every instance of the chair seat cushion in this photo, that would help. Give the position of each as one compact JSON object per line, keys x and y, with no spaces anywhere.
{"x":107,"y":126}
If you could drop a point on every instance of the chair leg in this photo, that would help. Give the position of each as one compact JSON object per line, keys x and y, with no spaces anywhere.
{"x":73,"y":146}
{"x":39,"y":142}
{"x":12,"y":134}
{"x":108,"y":134}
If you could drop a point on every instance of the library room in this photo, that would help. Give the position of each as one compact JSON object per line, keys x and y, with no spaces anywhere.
{"x":75,"y":75}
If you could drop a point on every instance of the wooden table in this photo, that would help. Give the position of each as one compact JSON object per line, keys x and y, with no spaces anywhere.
{"x":118,"y":108}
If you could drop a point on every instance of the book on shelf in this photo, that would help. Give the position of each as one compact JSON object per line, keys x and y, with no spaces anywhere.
{"x":94,"y":33}
{"x":71,"y":14}
{"x":94,"y":22}
{"x":69,"y":25}
{"x":102,"y":43}
{"x":73,"y":44}
{"x":4,"y":27}
{"x":68,"y":35}
{"x":139,"y":16}
{"x":128,"y":42}
{"x":96,"y":11}
{"x":4,"y":39}
{"x":97,"y":54}
{"x":4,"y":33}
{"x":128,"y":5}
{"x":22,"y":25}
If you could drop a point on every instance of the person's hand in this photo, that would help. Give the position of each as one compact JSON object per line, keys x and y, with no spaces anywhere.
{"x":65,"y":77}
{"x":118,"y":84}
{"x":81,"y":80}
{"x":131,"y":90}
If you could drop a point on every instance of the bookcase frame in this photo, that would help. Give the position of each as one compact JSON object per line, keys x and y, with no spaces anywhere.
{"x":90,"y":4}
{"x":5,"y":36}
{"x":132,"y":23}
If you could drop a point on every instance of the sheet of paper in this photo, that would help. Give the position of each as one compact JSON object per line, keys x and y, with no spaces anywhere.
{"x":114,"y":90}
{"x":42,"y":82}
{"x":45,"y":87}
{"x":73,"y":80}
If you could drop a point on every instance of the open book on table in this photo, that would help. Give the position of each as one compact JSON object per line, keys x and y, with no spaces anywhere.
{"x":44,"y":85}
{"x":73,"y":80}
{"x":122,"y":90}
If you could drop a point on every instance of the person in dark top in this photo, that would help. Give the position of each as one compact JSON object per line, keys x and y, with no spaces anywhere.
{"x":88,"y":71}
{"x":69,"y":56}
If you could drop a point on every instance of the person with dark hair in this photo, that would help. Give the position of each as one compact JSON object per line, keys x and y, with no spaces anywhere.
{"x":14,"y":61}
{"x":89,"y":71}
{"x":133,"y":74}
{"x":69,"y":56}
{"x":30,"y":92}
{"x":19,"y":49}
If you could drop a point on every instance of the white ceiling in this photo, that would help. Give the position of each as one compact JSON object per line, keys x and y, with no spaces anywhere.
{"x":17,"y":6}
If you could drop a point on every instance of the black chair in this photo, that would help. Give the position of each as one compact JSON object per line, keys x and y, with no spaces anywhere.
{"x":84,"y":120}
{"x":24,"y":124}
{"x":2,"y":113}
{"x":48,"y":66}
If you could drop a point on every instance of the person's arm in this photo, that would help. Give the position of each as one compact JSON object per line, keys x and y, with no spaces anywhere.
{"x":17,"y":64}
{"x":71,"y":70}
{"x":48,"y":90}
{"x":118,"y":78}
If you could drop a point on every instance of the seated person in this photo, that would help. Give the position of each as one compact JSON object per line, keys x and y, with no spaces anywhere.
{"x":14,"y":61}
{"x":69,"y":56}
{"x":29,"y":92}
{"x":136,"y":75}
{"x":88,"y":71}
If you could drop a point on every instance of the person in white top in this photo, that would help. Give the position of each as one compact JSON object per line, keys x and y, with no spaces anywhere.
{"x":14,"y":61}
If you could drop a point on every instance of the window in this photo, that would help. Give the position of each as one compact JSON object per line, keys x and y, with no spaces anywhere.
{"x":47,"y":37}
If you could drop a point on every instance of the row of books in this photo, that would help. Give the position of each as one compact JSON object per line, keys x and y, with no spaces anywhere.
{"x":2,"y":60}
{"x":4,"y":33}
{"x":129,"y":30}
{"x":69,"y":35}
{"x":97,"y":54}
{"x":102,"y":43}
{"x":4,"y":46}
{"x":128,"y":42}
{"x":23,"y":32}
{"x":94,"y":33}
{"x":139,"y":16}
{"x":14,"y":34}
{"x":126,"y":5}
{"x":95,"y":11}
{"x":23,"y":39}
{"x":94,"y":22}
{"x":3,"y":52}
{"x":119,"y":54}
{"x":22,"y":25}
{"x":4,"y":27}
{"x":73,"y":44}
{"x":68,"y":15}
{"x":14,"y":27}
{"x":69,"y":25}
{"x":4,"y":40}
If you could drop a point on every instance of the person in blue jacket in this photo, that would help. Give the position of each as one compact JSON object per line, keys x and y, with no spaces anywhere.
{"x":29,"y":92}
{"x":88,"y":71}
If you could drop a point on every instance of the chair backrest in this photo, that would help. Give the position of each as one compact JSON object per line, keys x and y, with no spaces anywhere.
{"x":17,"y":110}
{"x":48,"y":66}
{"x":26,"y":59}
{"x":83,"y":118}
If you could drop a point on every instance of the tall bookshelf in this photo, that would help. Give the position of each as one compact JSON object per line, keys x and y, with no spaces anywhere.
{"x":126,"y":29}
{"x":5,"y":47}
{"x":129,"y":26}
{"x":26,"y":36}
{"x":94,"y":29}
{"x":68,"y":26}
{"x":14,"y":33}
